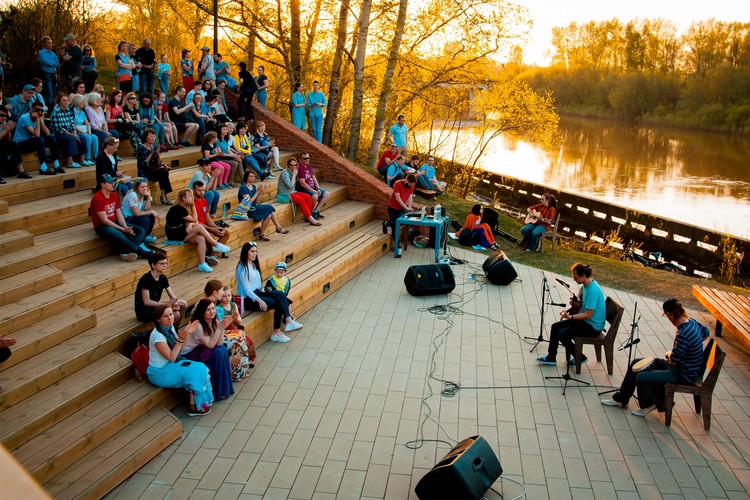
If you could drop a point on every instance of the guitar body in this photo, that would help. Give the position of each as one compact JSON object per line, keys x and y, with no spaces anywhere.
{"x":535,"y":216}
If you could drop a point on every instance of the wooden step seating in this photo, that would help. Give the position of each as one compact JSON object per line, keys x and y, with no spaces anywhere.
{"x":29,"y":282}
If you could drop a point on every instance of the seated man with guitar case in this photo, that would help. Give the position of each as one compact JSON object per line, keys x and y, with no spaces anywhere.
{"x":539,"y":219}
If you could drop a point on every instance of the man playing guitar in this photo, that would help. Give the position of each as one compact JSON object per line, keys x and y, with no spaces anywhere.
{"x":539,"y":219}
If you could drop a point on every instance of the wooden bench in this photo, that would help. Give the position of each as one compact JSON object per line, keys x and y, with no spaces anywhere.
{"x":731,"y":311}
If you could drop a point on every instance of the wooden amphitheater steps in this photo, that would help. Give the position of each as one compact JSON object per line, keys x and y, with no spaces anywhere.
{"x":66,"y":363}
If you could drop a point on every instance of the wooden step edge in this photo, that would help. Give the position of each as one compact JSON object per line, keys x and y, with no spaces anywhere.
{"x":3,"y":207}
{"x":25,"y":317}
{"x":112,"y":462}
{"x":41,"y":411}
{"x":28,"y":283}
{"x":13,"y":241}
{"x":109,"y":424}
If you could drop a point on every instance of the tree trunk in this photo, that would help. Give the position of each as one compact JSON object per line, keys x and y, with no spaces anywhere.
{"x":333,"y":90}
{"x":385,"y":93}
{"x":294,"y":45}
{"x":359,"y":79}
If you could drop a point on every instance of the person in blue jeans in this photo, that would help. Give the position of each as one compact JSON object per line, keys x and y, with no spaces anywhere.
{"x":212,"y":194}
{"x":48,"y":62}
{"x":316,"y":101}
{"x":682,"y":365}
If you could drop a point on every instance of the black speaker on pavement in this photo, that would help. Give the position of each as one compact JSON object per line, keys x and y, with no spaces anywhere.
{"x":466,"y":472}
{"x":499,"y":270}
{"x":430,"y":279}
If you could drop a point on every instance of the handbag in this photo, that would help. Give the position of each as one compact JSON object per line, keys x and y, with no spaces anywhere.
{"x":126,"y":77}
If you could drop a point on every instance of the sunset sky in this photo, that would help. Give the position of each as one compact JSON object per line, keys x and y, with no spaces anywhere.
{"x":547,"y":14}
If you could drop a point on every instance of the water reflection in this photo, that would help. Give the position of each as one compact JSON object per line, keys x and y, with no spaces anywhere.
{"x":696,"y":177}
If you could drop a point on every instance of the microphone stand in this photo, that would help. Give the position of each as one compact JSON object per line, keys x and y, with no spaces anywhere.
{"x":628,"y":344}
{"x":546,"y":300}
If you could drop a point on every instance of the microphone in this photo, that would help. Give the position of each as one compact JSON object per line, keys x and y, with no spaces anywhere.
{"x":557,"y":304}
{"x":562,"y":282}
{"x":629,"y":344}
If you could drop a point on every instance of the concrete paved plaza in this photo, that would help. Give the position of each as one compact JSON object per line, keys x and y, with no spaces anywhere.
{"x":329,"y":414}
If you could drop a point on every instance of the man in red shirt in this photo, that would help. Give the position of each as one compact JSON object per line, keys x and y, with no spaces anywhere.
{"x":400,"y":202}
{"x":388,"y":157}
{"x":110,"y":224}
{"x":201,"y":206}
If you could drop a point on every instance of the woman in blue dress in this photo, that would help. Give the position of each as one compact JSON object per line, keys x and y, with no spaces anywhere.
{"x":166,"y":368}
{"x":299,"y":111}
{"x":248,"y":194}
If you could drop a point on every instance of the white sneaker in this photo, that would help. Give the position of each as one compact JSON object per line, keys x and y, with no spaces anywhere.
{"x":221,"y":248}
{"x":129,"y":257}
{"x":280,"y":338}
{"x":642,"y":412}
{"x":611,"y":402}
{"x":292,"y":326}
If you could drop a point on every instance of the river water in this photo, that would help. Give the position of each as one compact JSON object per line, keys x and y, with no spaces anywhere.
{"x":696,"y":177}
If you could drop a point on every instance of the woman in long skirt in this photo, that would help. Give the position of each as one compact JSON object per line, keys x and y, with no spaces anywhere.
{"x":166,"y":368}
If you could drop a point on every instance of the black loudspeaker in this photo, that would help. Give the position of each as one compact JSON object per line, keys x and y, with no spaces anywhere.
{"x":466,"y":472}
{"x":431,"y":279}
{"x":499,"y":270}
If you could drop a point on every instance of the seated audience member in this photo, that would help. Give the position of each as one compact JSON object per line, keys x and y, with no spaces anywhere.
{"x":203,"y":174}
{"x":205,"y":343}
{"x":20,"y":104}
{"x":286,"y":192}
{"x":223,"y":72}
{"x":279,"y":281}
{"x":151,"y":167}
{"x":171,"y":135}
{"x":413,"y":165}
{"x":10,"y":154}
{"x":89,"y":141}
{"x":397,"y":171}
{"x":427,"y":178}
{"x":308,"y":183}
{"x":149,"y":291}
{"x":587,"y":323}
{"x":178,"y":113}
{"x":32,"y":135}
{"x":244,"y":144}
{"x":97,"y":119}
{"x":196,"y":89}
{"x":62,"y":127}
{"x":241,"y":348}
{"x":136,"y":208}
{"x":399,"y":203}
{"x":682,"y":365}
{"x":248,"y":196}
{"x":132,"y":128}
{"x":182,"y":225}
{"x":167,"y":368}
{"x":385,"y":160}
{"x":110,"y":224}
{"x":106,"y":164}
{"x":473,"y":224}
{"x":201,"y":207}
{"x":228,"y":154}
{"x":249,"y":287}
{"x":265,"y":145}
{"x":200,"y":116}
{"x":533,"y":231}
{"x":219,"y":168}
{"x":149,"y":120}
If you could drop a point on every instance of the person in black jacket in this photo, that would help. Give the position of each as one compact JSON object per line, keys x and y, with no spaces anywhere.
{"x":106,"y":163}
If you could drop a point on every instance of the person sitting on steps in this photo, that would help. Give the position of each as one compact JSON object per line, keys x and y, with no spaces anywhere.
{"x":149,"y":290}
{"x":221,"y":234}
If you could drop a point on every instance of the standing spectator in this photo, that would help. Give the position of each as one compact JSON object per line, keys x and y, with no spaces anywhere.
{"x":316,"y":101}
{"x":262,"y":81}
{"x":147,"y":58}
{"x":163,"y":72}
{"x":150,"y":288}
{"x":187,"y":70}
{"x":151,"y":167}
{"x":89,"y":73}
{"x":71,"y":61}
{"x":177,"y":110}
{"x":10,"y":154}
{"x":3,"y":65}
{"x":299,"y":113}
{"x":89,"y":141}
{"x":308,"y":183}
{"x":125,"y":65}
{"x":397,"y":134}
{"x":110,"y":224}
{"x":223,"y":72}
{"x":248,"y":88}
{"x":33,"y":135}
{"x":136,"y":70}
{"x":427,"y":178}
{"x":206,"y":66}
{"x":49,"y":62}
{"x":62,"y":126}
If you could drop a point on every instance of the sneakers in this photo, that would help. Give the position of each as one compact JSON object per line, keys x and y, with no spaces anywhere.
{"x":398,"y":253}
{"x":211,"y":260}
{"x":185,"y":144}
{"x":47,"y":171}
{"x":88,"y":163}
{"x":611,"y":402}
{"x":642,"y":412}
{"x":292,"y":326}
{"x":24,"y":175}
{"x":75,"y":165}
{"x":129,"y":257}
{"x":194,"y":412}
{"x":149,"y":239}
{"x":146,"y":250}
{"x":204,"y":268}
{"x":270,"y":176}
{"x":572,"y":361}
{"x":221,"y":248}
{"x":542,"y":360}
{"x":280,"y":338}
{"x":60,"y":170}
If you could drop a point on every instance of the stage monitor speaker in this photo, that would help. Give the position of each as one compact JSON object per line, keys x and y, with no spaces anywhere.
{"x":466,"y":472}
{"x":430,"y":279}
{"x":499,"y":270}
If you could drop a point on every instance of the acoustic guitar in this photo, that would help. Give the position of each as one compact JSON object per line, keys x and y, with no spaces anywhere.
{"x":535,"y":216}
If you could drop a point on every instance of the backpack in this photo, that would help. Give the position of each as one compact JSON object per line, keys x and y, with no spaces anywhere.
{"x":138,"y":347}
{"x":468,"y":238}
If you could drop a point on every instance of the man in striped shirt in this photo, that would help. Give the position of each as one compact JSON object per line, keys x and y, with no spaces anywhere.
{"x":682,"y":364}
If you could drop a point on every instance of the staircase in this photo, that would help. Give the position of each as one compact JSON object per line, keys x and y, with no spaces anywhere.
{"x":71,"y":412}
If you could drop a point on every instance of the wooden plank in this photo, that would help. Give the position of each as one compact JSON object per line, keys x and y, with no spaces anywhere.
{"x":47,"y":407}
{"x":116,"y":459}
{"x":3,"y":207}
{"x":29,"y":282}
{"x":731,"y":310}
{"x":15,"y":240}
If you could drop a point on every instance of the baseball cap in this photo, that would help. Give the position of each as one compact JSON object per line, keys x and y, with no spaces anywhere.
{"x":108,"y":178}
{"x":69,"y":36}
{"x":206,"y":49}
{"x":28,"y":86}
{"x":280,"y":265}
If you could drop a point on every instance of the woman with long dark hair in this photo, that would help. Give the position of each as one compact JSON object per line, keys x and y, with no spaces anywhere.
{"x":541,"y":217}
{"x":249,"y":287}
{"x":482,"y":230}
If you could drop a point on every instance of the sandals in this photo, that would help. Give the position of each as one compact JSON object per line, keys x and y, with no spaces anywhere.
{"x":195,"y":412}
{"x":282,"y":231}
{"x":263,"y":238}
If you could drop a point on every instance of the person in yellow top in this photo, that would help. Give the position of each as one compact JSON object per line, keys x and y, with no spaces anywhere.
{"x":244,"y":144}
